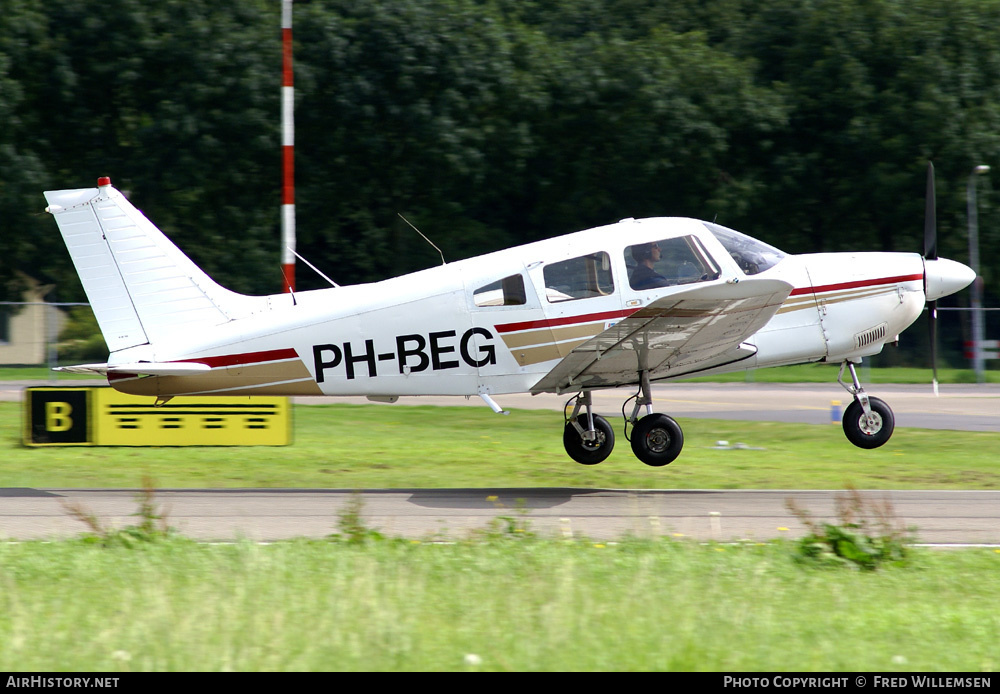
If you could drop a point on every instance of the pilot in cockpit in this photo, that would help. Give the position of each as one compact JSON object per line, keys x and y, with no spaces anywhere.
{"x":645,"y":276}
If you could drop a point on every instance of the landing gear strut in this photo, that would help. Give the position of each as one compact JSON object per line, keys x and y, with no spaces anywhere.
{"x":588,"y":438}
{"x":868,"y":421}
{"x":656,"y":439}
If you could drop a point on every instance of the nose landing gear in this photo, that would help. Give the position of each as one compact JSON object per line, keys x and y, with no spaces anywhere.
{"x":868,"y":422}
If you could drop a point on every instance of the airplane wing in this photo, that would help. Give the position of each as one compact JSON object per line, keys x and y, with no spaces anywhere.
{"x":689,"y":331}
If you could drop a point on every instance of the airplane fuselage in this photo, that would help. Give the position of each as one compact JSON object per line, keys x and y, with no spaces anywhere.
{"x":497,"y":323}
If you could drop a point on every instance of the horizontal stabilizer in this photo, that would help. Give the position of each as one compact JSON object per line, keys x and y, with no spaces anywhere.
{"x":140,"y":369}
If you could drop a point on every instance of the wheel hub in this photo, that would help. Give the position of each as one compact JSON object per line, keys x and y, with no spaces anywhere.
{"x":871,"y":424}
{"x":658,"y":440}
{"x":596,"y":442}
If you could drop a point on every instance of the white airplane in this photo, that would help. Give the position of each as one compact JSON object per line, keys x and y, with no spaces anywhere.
{"x":627,"y":304}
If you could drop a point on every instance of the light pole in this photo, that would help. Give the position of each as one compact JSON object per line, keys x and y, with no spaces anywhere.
{"x":977,"y":284}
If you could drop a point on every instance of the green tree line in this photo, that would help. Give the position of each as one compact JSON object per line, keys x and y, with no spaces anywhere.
{"x":487,"y":123}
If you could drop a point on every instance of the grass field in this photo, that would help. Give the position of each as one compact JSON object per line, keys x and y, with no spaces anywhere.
{"x":371,"y":446}
{"x":496,"y":604}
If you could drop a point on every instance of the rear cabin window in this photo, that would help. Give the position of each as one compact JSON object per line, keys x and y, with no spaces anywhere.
{"x":579,"y":278}
{"x":669,"y":262}
{"x":506,"y":292}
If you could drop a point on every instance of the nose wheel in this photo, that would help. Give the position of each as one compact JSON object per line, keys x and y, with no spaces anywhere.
{"x":868,"y":422}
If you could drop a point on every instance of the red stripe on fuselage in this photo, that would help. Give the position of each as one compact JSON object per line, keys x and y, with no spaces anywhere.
{"x":565,"y":320}
{"x":245,"y":358}
{"x":854,"y":285}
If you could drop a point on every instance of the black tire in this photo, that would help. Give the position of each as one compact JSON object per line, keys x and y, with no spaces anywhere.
{"x":589,"y":452}
{"x":860,"y":433}
{"x":657,"y":440}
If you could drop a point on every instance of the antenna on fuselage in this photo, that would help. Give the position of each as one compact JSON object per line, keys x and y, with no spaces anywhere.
{"x":314,"y":268}
{"x":443,"y":261}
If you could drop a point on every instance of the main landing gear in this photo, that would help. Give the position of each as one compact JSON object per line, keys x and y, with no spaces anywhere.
{"x":868,"y":421}
{"x":656,"y":438}
{"x":588,"y":437}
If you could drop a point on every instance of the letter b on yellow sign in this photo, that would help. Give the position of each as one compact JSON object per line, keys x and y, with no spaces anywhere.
{"x":56,"y":415}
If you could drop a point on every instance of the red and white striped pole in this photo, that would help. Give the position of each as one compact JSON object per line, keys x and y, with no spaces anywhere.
{"x":287,"y":150}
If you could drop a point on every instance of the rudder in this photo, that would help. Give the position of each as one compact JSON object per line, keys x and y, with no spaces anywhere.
{"x":141,"y":287}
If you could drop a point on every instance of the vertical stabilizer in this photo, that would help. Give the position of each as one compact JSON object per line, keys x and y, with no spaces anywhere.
{"x":141,"y":287}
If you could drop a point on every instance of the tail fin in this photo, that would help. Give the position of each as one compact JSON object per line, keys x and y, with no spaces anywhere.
{"x":141,"y":287}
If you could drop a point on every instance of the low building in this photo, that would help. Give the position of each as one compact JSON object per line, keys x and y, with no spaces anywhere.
{"x":28,"y":329}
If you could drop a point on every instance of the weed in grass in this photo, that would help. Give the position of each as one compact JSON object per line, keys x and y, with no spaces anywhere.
{"x":152,"y":526}
{"x":85,"y":516}
{"x":507,"y":527}
{"x":351,"y":524}
{"x":867,"y":534}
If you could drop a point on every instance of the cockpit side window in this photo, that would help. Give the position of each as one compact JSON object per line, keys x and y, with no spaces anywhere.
{"x":669,"y":262}
{"x":751,"y":255}
{"x":579,"y":278}
{"x":508,"y":291}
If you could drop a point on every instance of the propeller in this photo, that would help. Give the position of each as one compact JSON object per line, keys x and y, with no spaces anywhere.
{"x":930,"y":253}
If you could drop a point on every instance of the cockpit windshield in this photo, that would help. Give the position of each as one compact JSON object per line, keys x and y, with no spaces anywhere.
{"x":751,"y":255}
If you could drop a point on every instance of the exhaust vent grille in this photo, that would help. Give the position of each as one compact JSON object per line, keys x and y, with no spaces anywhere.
{"x":870,"y":336}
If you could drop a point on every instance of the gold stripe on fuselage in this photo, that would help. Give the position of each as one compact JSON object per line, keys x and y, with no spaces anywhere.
{"x":807,"y":301}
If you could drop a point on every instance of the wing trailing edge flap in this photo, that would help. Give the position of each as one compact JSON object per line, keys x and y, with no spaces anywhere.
{"x":144,"y":368}
{"x":688,"y":331}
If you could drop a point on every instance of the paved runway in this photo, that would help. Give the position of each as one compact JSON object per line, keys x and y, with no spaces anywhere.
{"x":949,"y":517}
